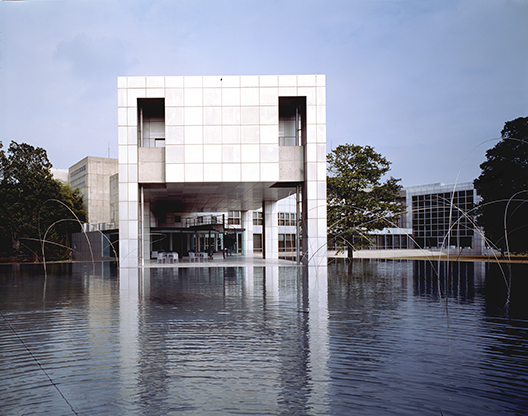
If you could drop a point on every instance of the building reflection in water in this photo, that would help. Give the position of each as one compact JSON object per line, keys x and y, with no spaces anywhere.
{"x":208,"y":338}
{"x":455,"y":279}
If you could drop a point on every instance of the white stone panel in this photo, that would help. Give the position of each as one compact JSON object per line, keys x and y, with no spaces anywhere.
{"x":213,"y":153}
{"x":132,"y":116}
{"x":231,"y":82}
{"x":250,"y":134}
{"x":174,"y":153}
{"x":269,"y":96}
{"x":121,"y":82}
{"x":122,"y":151}
{"x":155,"y":93}
{"x":122,"y":138}
{"x":269,"y":134}
{"x":249,"y":96}
{"x":133,"y":231}
{"x":193,"y":153}
{"x":212,"y":116}
{"x":269,"y":81}
{"x":311,"y":153}
{"x":249,"y":115}
{"x":192,"y":97}
{"x":287,"y":80}
{"x":311,"y":134}
{"x":321,"y":80}
{"x":194,"y":172}
{"x":231,"y":134}
{"x":269,"y":153}
{"x":287,"y":92}
{"x":212,"y":82}
{"x":132,"y":136}
{"x":132,"y":154}
{"x":174,"y":97}
{"x":193,"y":135}
{"x":249,"y":81}
{"x":321,"y":133}
{"x":123,"y":229}
{"x":311,"y":171}
{"x":192,"y":82}
{"x":174,"y":116}
{"x":269,"y":172}
{"x":321,"y":171}
{"x":321,"y":114}
{"x":173,"y":82}
{"x":212,"y":97}
{"x":213,"y":172}
{"x":123,"y":173}
{"x":231,"y":172}
{"x":230,"y":153}
{"x":174,"y":172}
{"x":231,"y":115}
{"x":174,"y":135}
{"x":230,"y":97}
{"x":122,"y":98}
{"x":132,"y":173}
{"x":193,"y":116}
{"x":137,"y":82}
{"x":212,"y":134}
{"x":132,"y":196}
{"x":269,"y":115}
{"x":306,"y":81}
{"x":321,"y":96}
{"x":123,"y":194}
{"x":123,"y":209}
{"x":311,"y":114}
{"x":250,"y":172}
{"x":155,"y":82}
{"x":250,"y":153}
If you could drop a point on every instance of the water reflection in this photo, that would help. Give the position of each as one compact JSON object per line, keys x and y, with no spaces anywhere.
{"x":382,"y":337}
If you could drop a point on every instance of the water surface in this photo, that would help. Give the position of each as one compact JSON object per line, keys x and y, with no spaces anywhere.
{"x":379,"y":338}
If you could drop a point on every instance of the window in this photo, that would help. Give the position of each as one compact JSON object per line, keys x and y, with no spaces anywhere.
{"x":292,"y":121}
{"x":151,"y":122}
{"x":234,"y":218}
{"x":257,"y":217}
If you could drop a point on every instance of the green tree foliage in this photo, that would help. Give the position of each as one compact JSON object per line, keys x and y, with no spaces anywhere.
{"x":358,"y":200}
{"x":503,"y":187}
{"x":33,"y":204}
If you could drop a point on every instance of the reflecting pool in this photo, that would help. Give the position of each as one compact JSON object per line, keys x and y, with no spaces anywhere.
{"x":375,"y":338}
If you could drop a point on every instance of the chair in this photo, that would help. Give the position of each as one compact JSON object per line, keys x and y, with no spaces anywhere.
{"x":192,"y":256}
{"x":162,"y":257}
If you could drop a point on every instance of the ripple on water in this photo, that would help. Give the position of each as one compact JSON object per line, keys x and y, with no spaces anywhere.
{"x":380,"y":339}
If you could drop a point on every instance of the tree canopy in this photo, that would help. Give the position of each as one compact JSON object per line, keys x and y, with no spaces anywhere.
{"x":359,"y":201}
{"x":33,"y":204}
{"x":503,"y":187}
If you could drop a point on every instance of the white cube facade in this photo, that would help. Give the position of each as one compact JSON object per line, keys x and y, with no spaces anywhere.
{"x":227,"y":133}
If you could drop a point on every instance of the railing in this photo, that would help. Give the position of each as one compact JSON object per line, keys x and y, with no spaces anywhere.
{"x":202,"y":220}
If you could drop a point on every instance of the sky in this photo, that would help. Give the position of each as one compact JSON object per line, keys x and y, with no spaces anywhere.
{"x":428,"y":83}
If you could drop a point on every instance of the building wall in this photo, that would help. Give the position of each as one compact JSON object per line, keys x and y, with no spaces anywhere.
{"x":219,"y":129}
{"x":92,"y":175}
{"x":442,"y":216}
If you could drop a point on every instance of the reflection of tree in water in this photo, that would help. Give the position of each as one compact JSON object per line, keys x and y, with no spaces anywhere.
{"x":507,"y":325}
{"x":363,"y":303}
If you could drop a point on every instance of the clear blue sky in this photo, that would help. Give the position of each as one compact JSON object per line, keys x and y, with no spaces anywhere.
{"x":424,"y":82}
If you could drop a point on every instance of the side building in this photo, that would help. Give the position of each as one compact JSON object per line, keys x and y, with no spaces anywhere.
{"x":443,"y":217}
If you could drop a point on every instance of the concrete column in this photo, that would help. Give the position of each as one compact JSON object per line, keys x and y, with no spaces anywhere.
{"x":271,"y":230}
{"x":247,"y":224}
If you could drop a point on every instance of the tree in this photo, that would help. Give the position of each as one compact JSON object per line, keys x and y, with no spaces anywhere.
{"x":358,"y":200}
{"x":503,"y":187}
{"x":31,"y":202}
